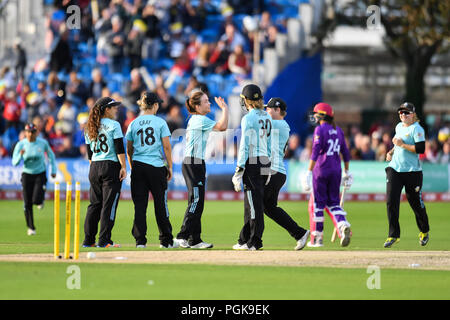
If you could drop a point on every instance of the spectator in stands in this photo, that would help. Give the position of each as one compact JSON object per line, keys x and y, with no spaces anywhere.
{"x":78,"y":136}
{"x":101,"y":29}
{"x":305,"y":154}
{"x":218,"y":59}
{"x":61,"y":55}
{"x":168,"y":100}
{"x":56,"y":87}
{"x":76,"y":90}
{"x":56,"y":138}
{"x":67,"y":149}
{"x":66,"y":117}
{"x":130,"y":116}
{"x":443,"y":156}
{"x":97,"y":84}
{"x":431,"y":151}
{"x":265,"y":22}
{"x":116,"y":41}
{"x":176,"y":12}
{"x":20,"y":58}
{"x":387,"y":140}
{"x":134,"y":87}
{"x":134,"y":43}
{"x":294,"y":148}
{"x":3,"y":151}
{"x":232,"y":38}
{"x":239,"y":62}
{"x":23,"y":90}
{"x":176,"y":42}
{"x":201,"y":63}
{"x":366,"y":151}
{"x":269,"y":40}
{"x":11,"y":111}
{"x":195,"y":16}
{"x":153,"y":33}
{"x":174,"y":119}
{"x":380,"y":152}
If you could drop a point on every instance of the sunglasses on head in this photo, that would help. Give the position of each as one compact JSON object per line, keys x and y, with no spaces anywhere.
{"x":404,"y":112}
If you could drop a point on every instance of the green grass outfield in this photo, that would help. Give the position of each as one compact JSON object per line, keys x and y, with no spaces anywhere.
{"x":221,"y":224}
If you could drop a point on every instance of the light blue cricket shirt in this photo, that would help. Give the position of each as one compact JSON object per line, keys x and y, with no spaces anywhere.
{"x":34,"y":156}
{"x":280,"y":137}
{"x":256,"y":129}
{"x":146,"y":133}
{"x":197,"y":133}
{"x":402,"y":159}
{"x":103,"y":148}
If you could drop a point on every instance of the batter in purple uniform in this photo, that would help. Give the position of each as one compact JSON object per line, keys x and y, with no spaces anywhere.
{"x":324,"y":176}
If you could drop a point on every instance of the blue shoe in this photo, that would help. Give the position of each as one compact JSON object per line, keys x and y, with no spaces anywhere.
{"x":109,"y":245}
{"x":423,"y":238}
{"x":390,"y":241}
{"x":89,"y":245}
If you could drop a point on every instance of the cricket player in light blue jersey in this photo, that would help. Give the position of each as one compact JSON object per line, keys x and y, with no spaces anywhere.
{"x":194,"y":168}
{"x":106,"y":153}
{"x":32,"y":151}
{"x":253,"y":166}
{"x":148,"y":136}
{"x":404,"y":170}
{"x":276,"y":108}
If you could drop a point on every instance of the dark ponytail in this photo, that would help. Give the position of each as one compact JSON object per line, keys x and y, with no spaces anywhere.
{"x":93,"y":124}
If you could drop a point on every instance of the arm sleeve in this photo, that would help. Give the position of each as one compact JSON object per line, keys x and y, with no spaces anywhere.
{"x":89,"y":151}
{"x":118,"y":145}
{"x":420,"y":147}
{"x":51,"y":157}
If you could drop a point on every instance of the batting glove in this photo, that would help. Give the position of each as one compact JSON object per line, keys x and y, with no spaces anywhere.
{"x":307,"y":181}
{"x":347,"y":179}
{"x":237,"y":179}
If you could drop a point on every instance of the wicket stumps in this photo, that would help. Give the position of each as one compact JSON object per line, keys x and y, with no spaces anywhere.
{"x":76,"y":238}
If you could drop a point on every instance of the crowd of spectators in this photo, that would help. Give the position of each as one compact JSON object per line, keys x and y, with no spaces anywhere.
{"x":124,"y":47}
{"x":106,"y":55}
{"x":374,"y":144}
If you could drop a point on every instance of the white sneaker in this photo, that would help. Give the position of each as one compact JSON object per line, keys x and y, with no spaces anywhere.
{"x":345,"y":235}
{"x":253,"y":248}
{"x":238,"y":246}
{"x":31,"y":232}
{"x":202,"y":245}
{"x":301,"y":243}
{"x":140,"y":246}
{"x":170,"y":246}
{"x":40,"y":206}
{"x":182,"y":243}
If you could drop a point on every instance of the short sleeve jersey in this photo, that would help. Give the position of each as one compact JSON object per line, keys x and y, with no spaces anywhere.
{"x":256,"y":129}
{"x":403,"y":160}
{"x":328,"y":144}
{"x":146,"y":133}
{"x":34,"y":156}
{"x":103,"y":147}
{"x":280,"y":137}
{"x":197,"y":133}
